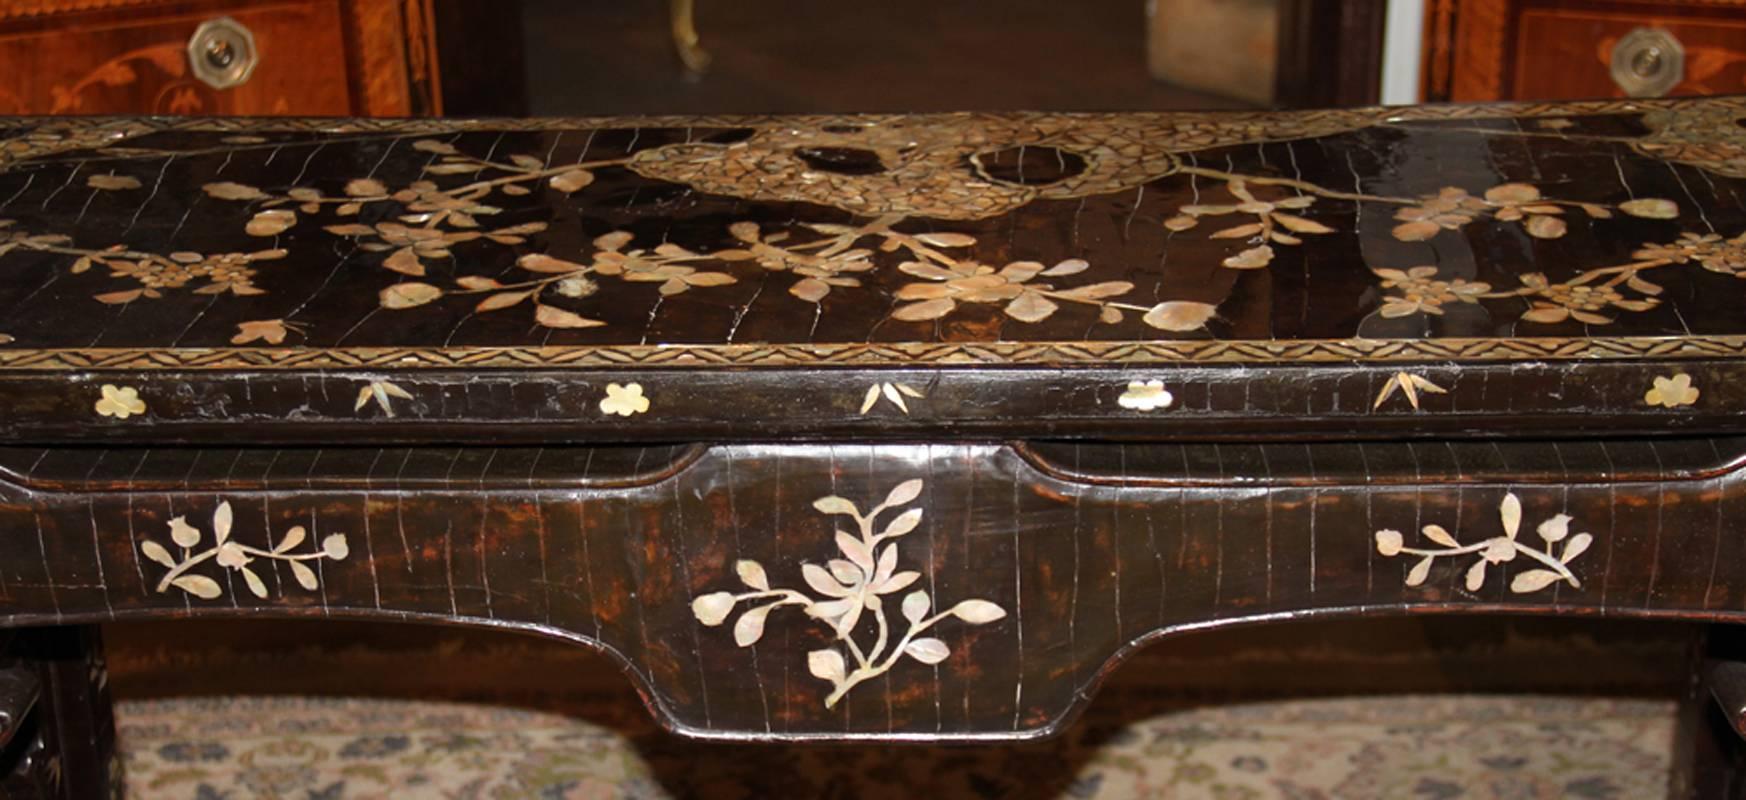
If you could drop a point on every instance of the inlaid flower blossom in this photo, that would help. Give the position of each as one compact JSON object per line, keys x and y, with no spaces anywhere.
{"x":1145,"y":396}
{"x":624,"y":400}
{"x":1672,"y":391}
{"x":120,"y":402}
{"x":1711,"y":251}
{"x":1274,"y":224}
{"x":1419,"y":290}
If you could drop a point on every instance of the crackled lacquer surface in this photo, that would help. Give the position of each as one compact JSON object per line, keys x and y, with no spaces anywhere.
{"x":1563,"y":222}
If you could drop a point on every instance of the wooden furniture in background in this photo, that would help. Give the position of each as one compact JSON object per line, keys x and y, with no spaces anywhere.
{"x":1479,"y":50}
{"x":312,"y":57}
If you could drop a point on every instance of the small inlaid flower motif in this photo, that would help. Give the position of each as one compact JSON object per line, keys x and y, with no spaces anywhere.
{"x":1672,"y":392}
{"x":894,"y":392}
{"x":624,"y":400}
{"x":1145,"y":396}
{"x":1409,"y":385}
{"x":1421,"y":291}
{"x":381,"y":392}
{"x":120,"y":402}
{"x":1726,"y":256}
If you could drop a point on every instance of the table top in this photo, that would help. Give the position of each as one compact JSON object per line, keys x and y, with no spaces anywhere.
{"x":1504,"y":235}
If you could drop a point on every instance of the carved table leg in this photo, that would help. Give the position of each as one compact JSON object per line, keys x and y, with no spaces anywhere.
{"x":64,"y":748}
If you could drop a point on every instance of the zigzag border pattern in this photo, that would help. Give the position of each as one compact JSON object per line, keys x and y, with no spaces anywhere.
{"x":894,"y":355}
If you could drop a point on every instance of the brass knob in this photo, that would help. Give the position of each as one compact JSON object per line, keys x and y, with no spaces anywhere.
{"x":222,"y":53}
{"x":1648,"y":62}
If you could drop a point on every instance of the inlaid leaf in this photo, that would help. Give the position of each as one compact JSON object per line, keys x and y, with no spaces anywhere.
{"x":871,"y":398}
{"x":1031,"y":307}
{"x":1440,"y":535}
{"x":500,"y":301}
{"x":1071,"y":266}
{"x":1511,"y":193}
{"x":304,"y":575}
{"x":845,"y":571}
{"x":1533,"y":580}
{"x":198,"y":585}
{"x":1180,"y":316}
{"x":946,"y":239}
{"x":409,"y":295}
{"x":256,"y":586}
{"x":156,"y":552}
{"x":1416,"y":231}
{"x":117,"y":298}
{"x":892,"y":394}
{"x":905,"y":492}
{"x":1510,"y":511}
{"x":1419,"y":572}
{"x":927,"y":650}
{"x":366,"y":187}
{"x":1252,"y":258}
{"x":1577,"y":545}
{"x":434,"y":146}
{"x":292,"y":538}
{"x":903,"y":523}
{"x":855,"y":550}
{"x":899,"y":582}
{"x":749,"y":628}
{"x":1476,"y":576}
{"x":526,"y":161}
{"x":1110,"y":315}
{"x":1301,"y":224}
{"x":405,"y":261}
{"x":1238,"y":231}
{"x":978,"y":612}
{"x":221,"y":521}
{"x":1181,"y":222}
{"x":1099,"y":291}
{"x":571,"y":181}
{"x":270,"y":222}
{"x":821,"y":581}
{"x":709,"y":279}
{"x":915,"y":606}
{"x":925,"y":270}
{"x":835,"y":505}
{"x":226,"y":190}
{"x":712,"y":609}
{"x":477,"y":282}
{"x":1545,"y":227}
{"x":925,"y":310}
{"x":112,"y":183}
{"x":753,"y":575}
{"x":811,"y":290}
{"x":1651,"y":208}
{"x":826,"y":665}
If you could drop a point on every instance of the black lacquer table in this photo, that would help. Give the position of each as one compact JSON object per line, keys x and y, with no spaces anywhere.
{"x":867,"y":428}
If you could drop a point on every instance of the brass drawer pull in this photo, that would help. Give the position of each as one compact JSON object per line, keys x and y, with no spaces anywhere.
{"x":222,"y":53}
{"x":1648,"y":62}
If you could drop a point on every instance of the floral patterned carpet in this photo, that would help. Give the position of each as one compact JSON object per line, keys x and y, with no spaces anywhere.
{"x":1423,"y":747}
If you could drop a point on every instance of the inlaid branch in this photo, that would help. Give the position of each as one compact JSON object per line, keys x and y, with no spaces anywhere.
{"x":851,"y":589}
{"x":234,"y":555}
{"x":1497,"y":550}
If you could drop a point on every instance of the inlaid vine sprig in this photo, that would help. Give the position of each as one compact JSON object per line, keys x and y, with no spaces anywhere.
{"x":1497,"y":550}
{"x":851,"y":588}
{"x":236,"y":556}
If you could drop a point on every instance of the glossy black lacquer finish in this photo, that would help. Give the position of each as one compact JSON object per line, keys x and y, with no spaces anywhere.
{"x":892,"y":428}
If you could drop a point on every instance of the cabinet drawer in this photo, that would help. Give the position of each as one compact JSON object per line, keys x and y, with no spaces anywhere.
{"x":1563,"y":53}
{"x":79,"y":66}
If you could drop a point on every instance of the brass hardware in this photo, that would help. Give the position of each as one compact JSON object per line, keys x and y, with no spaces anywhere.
{"x":1648,"y":62}
{"x":685,"y":39}
{"x":222,"y":53}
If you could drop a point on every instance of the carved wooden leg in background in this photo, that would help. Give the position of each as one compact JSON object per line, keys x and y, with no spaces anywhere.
{"x":64,"y":748}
